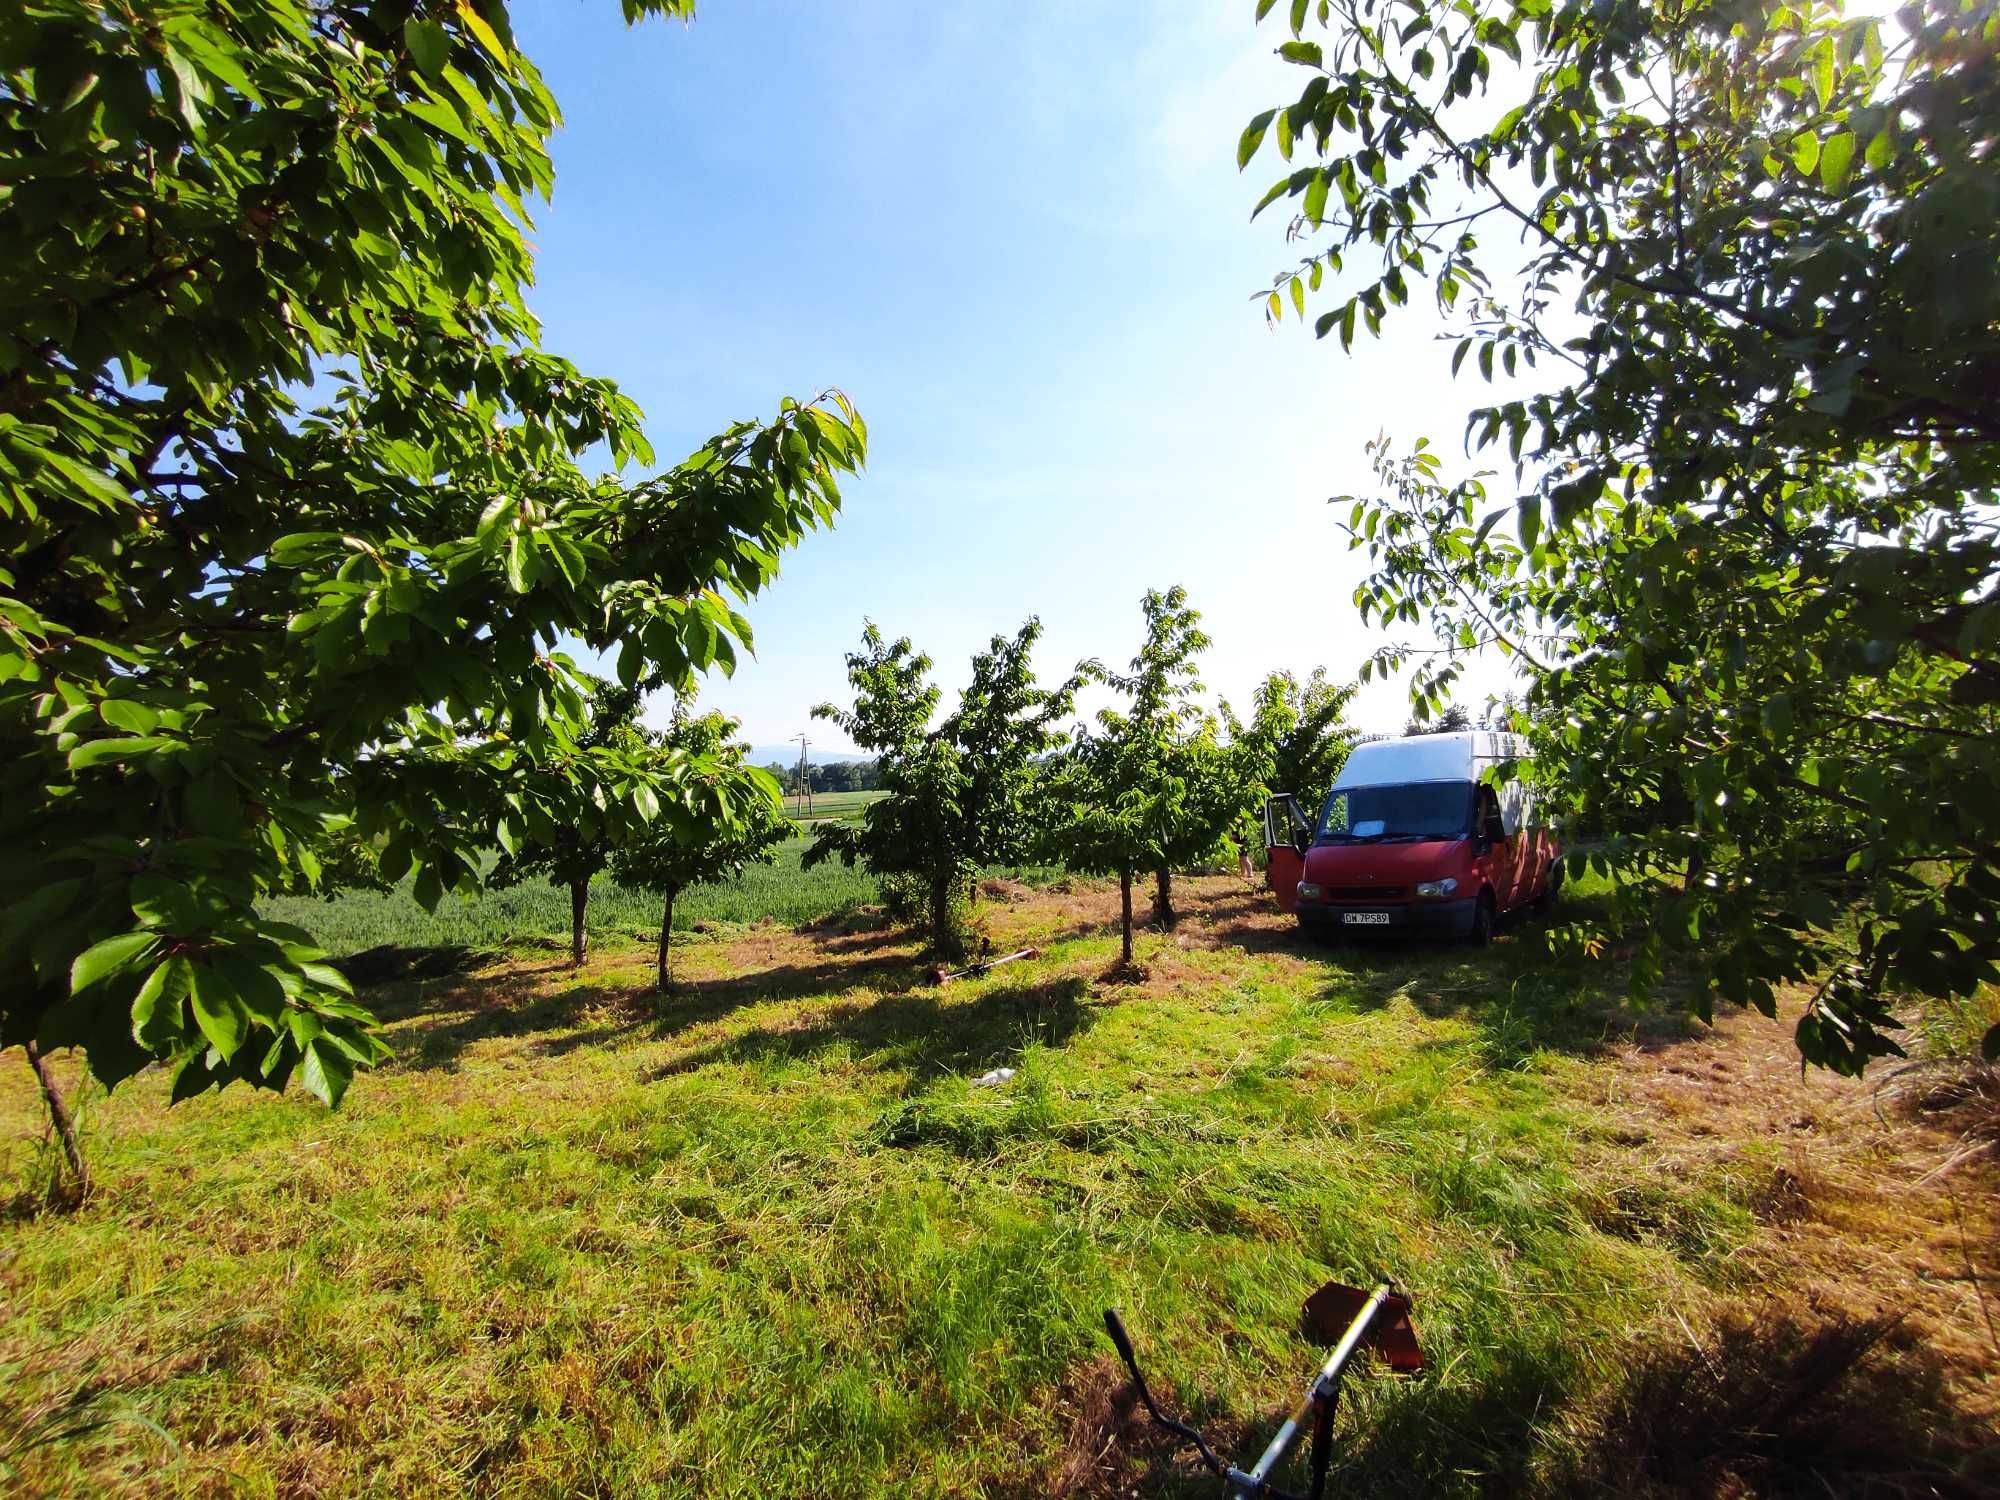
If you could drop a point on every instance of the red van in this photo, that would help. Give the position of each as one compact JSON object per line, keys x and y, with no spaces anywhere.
{"x":1412,"y":839}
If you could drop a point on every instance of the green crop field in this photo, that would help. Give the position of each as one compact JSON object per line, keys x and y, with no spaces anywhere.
{"x":355,"y":920}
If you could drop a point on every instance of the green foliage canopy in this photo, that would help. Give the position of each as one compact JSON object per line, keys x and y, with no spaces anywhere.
{"x":961,"y":794}
{"x":1753,"y":557}
{"x":1151,"y":786}
{"x":567,"y":854}
{"x":294,"y":515}
{"x":744,"y":828}
{"x":1297,"y":737}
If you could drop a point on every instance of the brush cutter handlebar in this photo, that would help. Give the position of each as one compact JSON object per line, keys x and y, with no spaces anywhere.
{"x":1381,"y":1317}
{"x":1115,"y":1326}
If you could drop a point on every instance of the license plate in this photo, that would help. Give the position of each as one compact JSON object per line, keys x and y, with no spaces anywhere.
{"x":1365,"y":918}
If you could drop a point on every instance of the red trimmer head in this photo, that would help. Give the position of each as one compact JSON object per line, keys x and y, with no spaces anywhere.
{"x":1330,"y":1310}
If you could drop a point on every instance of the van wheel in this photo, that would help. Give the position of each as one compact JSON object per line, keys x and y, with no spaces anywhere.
{"x":1320,"y":934}
{"x":1482,"y":921}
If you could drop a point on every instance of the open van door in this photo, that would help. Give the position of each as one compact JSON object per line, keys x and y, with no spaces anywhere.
{"x":1287,"y":835}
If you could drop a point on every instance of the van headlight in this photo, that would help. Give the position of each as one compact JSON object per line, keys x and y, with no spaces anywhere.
{"x":1310,"y":892}
{"x":1437,"y":887}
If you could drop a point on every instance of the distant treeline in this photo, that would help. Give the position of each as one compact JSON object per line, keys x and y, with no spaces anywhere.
{"x":833,"y":776}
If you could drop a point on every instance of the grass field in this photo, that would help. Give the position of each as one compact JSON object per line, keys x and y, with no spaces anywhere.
{"x":355,"y":920}
{"x":768,"y":1238}
{"x":831,"y":807}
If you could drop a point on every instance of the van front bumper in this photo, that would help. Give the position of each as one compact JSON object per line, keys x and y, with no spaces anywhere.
{"x":1421,"y":918}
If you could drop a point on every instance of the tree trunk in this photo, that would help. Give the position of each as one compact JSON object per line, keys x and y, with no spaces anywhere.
{"x":579,"y":898}
{"x":1697,"y":869}
{"x":60,"y":1116}
{"x":1125,"y":894}
{"x":943,"y":940}
{"x":666,"y":974}
{"x":1163,"y":899}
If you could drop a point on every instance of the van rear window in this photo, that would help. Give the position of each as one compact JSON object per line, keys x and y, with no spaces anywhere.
{"x":1414,"y":810}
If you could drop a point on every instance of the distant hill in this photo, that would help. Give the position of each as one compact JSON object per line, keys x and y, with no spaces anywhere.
{"x":763,"y":755}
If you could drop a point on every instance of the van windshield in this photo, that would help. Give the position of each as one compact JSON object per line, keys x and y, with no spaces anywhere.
{"x":1406,"y":813}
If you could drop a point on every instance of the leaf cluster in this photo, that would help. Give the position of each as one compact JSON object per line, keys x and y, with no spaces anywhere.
{"x":1152,"y":785}
{"x":961,"y":792}
{"x":295,"y":517}
{"x":740,"y":822}
{"x":1753,"y":554}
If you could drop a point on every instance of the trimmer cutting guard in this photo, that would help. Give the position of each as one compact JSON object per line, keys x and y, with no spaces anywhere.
{"x":1330,"y":1310}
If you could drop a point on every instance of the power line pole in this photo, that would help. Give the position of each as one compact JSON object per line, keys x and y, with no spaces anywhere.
{"x":805,"y":777}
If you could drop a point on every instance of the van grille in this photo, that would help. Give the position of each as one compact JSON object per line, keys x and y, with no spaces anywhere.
{"x":1367,"y":893}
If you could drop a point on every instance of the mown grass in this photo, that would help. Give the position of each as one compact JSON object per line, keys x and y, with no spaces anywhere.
{"x":783,"y":892}
{"x":769,"y":1239}
{"x":831,"y":807}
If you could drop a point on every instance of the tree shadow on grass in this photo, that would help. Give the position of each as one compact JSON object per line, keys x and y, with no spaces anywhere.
{"x":445,"y":1019}
{"x":1784,"y":1402}
{"x":928,"y":1032}
{"x":1520,"y":997}
{"x":687,"y":1005}
{"x":1775,"y":1403}
{"x":508,"y":1006}
{"x":703,"y":999}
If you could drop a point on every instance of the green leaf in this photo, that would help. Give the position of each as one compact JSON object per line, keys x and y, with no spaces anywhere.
{"x":188,"y":89}
{"x":429,"y":47}
{"x":441,"y":117}
{"x":156,"y":1012}
{"x":129,"y":715}
{"x":92,"y":485}
{"x":1315,"y":204}
{"x":1836,"y":161}
{"x":327,"y":977}
{"x":160,"y":902}
{"x":475,"y":23}
{"x":95,"y":752}
{"x":112,"y":956}
{"x":1805,"y":153}
{"x":326,"y":1071}
{"x":302,"y":546}
{"x":1253,"y":137}
{"x":217,"y":1011}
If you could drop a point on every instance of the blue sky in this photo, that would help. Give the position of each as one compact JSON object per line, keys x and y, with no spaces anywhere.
{"x":1017,"y":238}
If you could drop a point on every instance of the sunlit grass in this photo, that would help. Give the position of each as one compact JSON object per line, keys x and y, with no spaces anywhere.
{"x":772,"y":1240}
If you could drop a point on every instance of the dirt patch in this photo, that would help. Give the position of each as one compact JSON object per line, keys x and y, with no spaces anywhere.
{"x":1957,"y":1096}
{"x":1869,"y":1207}
{"x":1112,"y":1450}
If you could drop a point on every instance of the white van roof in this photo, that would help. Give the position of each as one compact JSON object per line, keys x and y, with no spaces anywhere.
{"x":1461,"y":756}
